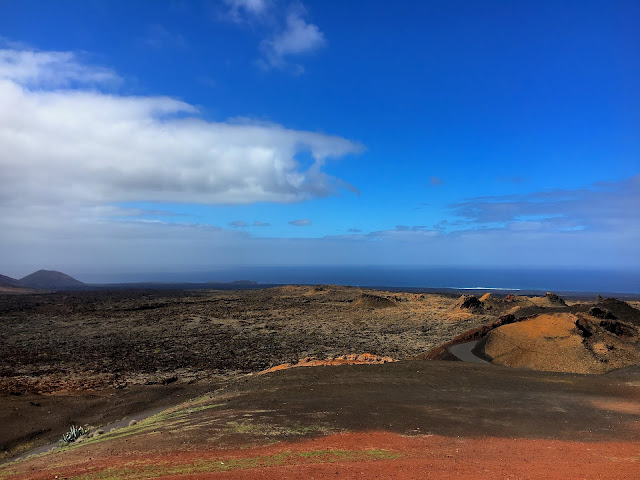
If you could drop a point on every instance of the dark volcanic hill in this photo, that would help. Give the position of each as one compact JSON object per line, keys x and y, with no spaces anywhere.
{"x":48,"y":280}
{"x":4,"y":280}
{"x":617,"y":309}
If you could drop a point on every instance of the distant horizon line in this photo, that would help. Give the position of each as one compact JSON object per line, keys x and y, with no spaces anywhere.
{"x":201,"y":269}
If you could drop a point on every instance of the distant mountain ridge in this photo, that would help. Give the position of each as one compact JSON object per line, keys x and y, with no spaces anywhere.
{"x":4,"y":280}
{"x":48,"y":279}
{"x":43,"y":280}
{"x":53,"y":280}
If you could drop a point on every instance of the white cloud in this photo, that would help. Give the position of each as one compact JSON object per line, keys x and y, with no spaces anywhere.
{"x":51,"y":69}
{"x":85,"y":147}
{"x":238,"y":8}
{"x":285,"y":31}
{"x":298,"y":37}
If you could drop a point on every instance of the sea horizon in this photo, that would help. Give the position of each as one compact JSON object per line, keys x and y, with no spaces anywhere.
{"x":459,"y":278}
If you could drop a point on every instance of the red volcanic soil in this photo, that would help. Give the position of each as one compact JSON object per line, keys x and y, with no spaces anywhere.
{"x":406,"y":419}
{"x":373,"y":455}
{"x":352,"y":359}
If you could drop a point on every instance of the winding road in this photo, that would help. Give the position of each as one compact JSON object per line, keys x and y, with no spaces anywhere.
{"x":463,"y":351}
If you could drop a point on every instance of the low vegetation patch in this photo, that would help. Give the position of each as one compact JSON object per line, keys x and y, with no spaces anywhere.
{"x":73,"y":434}
{"x":271,"y":430}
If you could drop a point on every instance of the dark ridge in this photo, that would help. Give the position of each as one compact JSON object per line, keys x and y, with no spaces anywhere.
{"x":620,"y":310}
{"x":50,"y":280}
{"x":555,"y":298}
{"x":617,"y":328}
{"x":600,"y":313}
{"x":12,"y":282}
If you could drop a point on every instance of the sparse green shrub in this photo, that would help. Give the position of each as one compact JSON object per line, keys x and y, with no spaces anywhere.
{"x":73,"y":434}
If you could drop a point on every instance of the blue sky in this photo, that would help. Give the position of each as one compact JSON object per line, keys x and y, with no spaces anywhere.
{"x":175,"y":133}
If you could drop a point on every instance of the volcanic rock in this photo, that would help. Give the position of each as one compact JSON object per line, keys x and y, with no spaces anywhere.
{"x":553,"y":298}
{"x":469,"y":303}
{"x":600,"y":313}
{"x":620,"y":310}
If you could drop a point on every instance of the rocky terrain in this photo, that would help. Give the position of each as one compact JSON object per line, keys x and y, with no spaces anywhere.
{"x":85,"y":347}
{"x":90,"y":340}
{"x":94,"y":357}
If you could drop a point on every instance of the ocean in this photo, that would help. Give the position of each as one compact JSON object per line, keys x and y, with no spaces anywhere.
{"x":545,"y":279}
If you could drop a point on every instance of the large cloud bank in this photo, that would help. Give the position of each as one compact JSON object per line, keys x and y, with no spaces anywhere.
{"x":65,"y":141}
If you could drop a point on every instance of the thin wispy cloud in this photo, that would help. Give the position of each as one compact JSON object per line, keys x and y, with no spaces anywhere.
{"x":301,"y":222}
{"x":240,"y":10}
{"x":604,"y":206}
{"x":297,"y":38}
{"x":238,"y":224}
{"x":258,"y":223}
{"x":435,"y":181}
{"x":555,"y":227}
{"x":34,"y":69}
{"x":286,"y":32}
{"x":414,"y":228}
